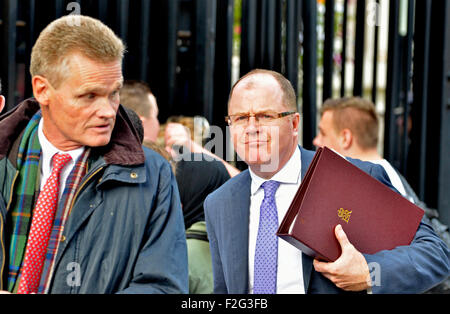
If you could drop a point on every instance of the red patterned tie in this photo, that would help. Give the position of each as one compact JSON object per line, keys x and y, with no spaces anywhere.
{"x":41,"y":227}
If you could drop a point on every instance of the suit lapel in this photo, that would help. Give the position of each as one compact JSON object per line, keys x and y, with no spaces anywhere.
{"x":307,"y":262}
{"x":237,"y":216}
{"x":306,"y":158}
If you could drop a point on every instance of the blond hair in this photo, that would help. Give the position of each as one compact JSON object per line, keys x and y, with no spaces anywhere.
{"x":356,"y":114}
{"x":62,"y":37}
{"x":135,"y":95}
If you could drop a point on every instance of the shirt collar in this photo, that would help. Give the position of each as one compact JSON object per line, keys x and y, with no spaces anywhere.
{"x":49,"y":150}
{"x":289,"y":174}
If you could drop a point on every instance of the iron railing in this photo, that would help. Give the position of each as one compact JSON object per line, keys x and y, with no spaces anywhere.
{"x":184,"y":50}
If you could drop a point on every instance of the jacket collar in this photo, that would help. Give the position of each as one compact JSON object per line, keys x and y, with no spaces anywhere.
{"x":306,"y":157}
{"x":123,"y":149}
{"x":238,"y":279}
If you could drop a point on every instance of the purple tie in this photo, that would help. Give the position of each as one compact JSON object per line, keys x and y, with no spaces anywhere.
{"x":266,"y":253}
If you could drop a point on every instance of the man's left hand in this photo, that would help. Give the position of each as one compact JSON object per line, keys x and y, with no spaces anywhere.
{"x":350,"y":271}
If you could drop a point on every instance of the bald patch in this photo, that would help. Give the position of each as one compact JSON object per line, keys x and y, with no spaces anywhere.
{"x":260,"y":78}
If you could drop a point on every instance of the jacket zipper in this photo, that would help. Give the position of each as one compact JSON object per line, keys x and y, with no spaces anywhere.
{"x":82,"y":186}
{"x":74,"y":199}
{"x":1,"y":229}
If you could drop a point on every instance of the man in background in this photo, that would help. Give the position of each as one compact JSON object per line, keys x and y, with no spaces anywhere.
{"x":350,"y":126}
{"x":177,"y":134}
{"x":138,"y":97}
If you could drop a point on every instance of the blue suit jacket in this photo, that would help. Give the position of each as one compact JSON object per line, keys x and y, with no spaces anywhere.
{"x":410,"y":269}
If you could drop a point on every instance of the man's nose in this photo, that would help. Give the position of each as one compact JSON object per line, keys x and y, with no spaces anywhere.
{"x":317,"y":142}
{"x":252,"y":124}
{"x":108,"y":109}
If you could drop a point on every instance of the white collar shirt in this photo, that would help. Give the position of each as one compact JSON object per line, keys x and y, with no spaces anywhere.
{"x":290,"y":272}
{"x":48,"y":151}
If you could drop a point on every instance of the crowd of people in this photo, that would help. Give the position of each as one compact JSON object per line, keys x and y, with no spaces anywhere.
{"x":94,"y":197}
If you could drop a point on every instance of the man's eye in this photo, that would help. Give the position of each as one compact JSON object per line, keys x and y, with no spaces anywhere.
{"x":241,"y":118}
{"x":90,"y":96}
{"x":265,"y":116}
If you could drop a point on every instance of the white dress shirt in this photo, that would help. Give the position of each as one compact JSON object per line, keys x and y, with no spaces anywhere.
{"x":393,"y":177}
{"x":290,"y":272}
{"x":48,"y":151}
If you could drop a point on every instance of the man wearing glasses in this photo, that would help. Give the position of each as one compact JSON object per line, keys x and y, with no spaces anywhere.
{"x":243,"y":215}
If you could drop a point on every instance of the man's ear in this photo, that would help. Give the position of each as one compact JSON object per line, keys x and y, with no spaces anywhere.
{"x":296,"y":122}
{"x":2,"y":103}
{"x":346,"y":139}
{"x":41,"y":89}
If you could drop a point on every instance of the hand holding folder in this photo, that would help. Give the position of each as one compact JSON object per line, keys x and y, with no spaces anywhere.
{"x":350,"y":271}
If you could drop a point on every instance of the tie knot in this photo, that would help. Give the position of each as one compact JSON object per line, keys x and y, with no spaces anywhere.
{"x":60,"y":161}
{"x":270,"y":187}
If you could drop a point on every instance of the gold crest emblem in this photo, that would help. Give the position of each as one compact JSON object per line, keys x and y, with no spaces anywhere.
{"x":344,"y":214}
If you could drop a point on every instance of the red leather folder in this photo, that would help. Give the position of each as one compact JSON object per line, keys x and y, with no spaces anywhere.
{"x":334,"y":191}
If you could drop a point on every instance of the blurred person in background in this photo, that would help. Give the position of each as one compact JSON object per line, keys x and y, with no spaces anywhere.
{"x":138,"y":97}
{"x":182,"y":132}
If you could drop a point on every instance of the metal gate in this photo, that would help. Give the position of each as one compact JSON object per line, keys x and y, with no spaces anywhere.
{"x":185,"y":50}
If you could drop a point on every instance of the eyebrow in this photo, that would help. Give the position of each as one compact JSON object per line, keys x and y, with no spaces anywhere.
{"x":97,"y":89}
{"x":247,"y":113}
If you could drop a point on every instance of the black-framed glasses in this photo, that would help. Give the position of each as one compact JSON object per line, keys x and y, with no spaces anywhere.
{"x":262,"y":118}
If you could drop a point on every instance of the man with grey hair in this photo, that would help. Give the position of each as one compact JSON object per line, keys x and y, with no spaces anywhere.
{"x":84,"y":208}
